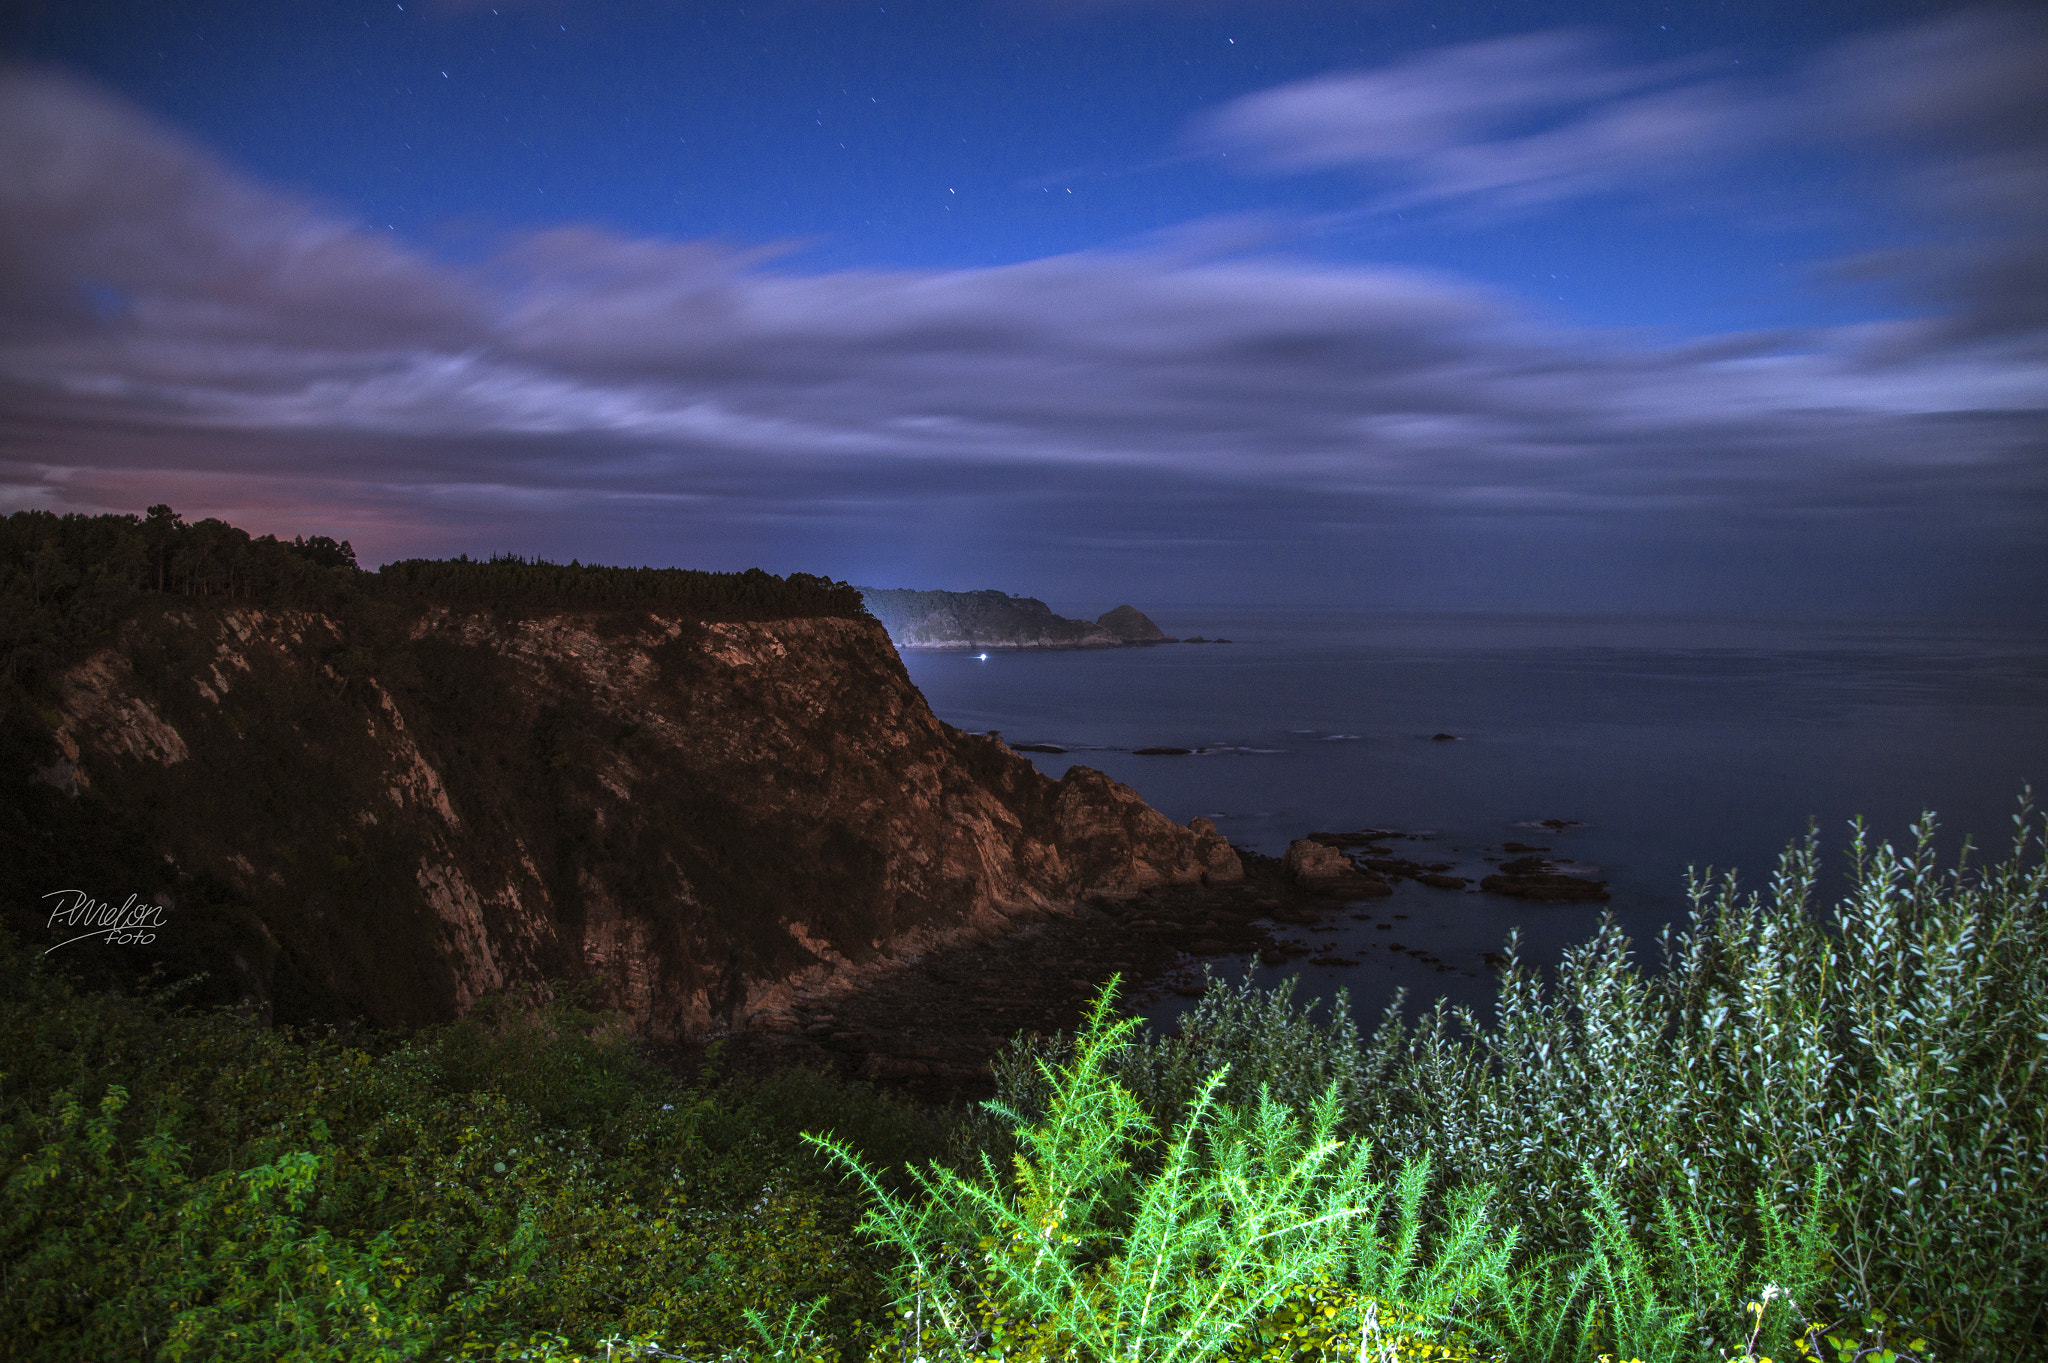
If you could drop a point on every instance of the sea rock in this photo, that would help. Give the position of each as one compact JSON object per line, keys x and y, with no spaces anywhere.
{"x":1129,"y":624}
{"x":1365,"y":837}
{"x":1322,"y":868}
{"x":1534,"y":878}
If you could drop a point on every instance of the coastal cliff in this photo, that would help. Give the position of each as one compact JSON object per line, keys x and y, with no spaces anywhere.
{"x":385,"y":811}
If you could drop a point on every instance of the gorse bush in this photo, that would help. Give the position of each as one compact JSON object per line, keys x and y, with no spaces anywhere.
{"x":1112,"y":1239}
{"x":1258,"y":1232}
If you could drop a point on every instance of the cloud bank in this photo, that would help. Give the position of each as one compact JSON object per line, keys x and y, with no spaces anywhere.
{"x":1247,"y":427}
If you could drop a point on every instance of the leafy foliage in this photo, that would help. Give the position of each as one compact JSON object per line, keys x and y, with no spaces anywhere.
{"x":1239,"y":1216}
{"x":1811,"y":1135}
{"x":185,"y":1185}
{"x":1874,"y":1076}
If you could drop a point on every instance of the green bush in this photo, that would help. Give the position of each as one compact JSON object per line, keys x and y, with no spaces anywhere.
{"x":1805,"y":1117}
{"x":1881,"y":1065}
{"x":1111,"y":1238}
{"x":184,"y":1185}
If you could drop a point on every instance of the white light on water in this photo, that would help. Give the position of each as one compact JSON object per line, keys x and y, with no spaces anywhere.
{"x":981,"y":657}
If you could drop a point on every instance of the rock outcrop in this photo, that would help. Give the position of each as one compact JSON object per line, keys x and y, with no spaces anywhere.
{"x":1131,"y":625}
{"x":1532,"y":877}
{"x":1322,"y":868}
{"x":385,"y":816}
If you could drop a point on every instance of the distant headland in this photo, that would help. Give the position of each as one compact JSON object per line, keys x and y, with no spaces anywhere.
{"x":996,"y":619}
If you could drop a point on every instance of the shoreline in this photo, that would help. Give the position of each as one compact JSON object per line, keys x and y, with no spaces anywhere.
{"x":929,"y":1028}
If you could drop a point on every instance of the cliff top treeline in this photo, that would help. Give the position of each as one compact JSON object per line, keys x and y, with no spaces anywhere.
{"x":66,"y":580}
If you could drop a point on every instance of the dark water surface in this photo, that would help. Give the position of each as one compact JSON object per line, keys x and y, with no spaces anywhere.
{"x":1675,"y":743}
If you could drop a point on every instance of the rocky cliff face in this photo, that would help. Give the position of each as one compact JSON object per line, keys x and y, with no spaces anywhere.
{"x":387,"y":818}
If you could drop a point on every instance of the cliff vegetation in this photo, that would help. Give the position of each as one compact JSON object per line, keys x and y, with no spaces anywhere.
{"x":1818,"y":1133}
{"x":66,"y":580}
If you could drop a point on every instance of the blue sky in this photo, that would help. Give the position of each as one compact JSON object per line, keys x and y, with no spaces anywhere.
{"x":1504,"y":306}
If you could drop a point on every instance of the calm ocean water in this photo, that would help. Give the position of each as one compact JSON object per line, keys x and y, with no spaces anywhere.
{"x":1674,"y":743}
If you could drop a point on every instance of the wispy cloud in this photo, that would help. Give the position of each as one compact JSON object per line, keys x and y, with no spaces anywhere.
{"x":1965,"y":109}
{"x":174,"y":330}
{"x":1508,"y":123}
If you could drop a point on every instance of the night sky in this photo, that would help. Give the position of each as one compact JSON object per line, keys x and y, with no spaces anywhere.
{"x":1732,"y":306}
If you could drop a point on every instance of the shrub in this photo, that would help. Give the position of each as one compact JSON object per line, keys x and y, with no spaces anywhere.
{"x":1804,"y":1118}
{"x":181,"y":1185}
{"x":1881,"y":1065}
{"x":1115,"y":1239}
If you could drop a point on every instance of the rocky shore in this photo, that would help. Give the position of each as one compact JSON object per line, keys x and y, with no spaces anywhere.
{"x":930,"y":1027}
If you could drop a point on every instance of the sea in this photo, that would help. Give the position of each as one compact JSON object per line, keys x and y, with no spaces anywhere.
{"x":1642,"y":751}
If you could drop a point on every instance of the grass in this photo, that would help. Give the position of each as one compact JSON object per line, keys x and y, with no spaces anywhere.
{"x":1817,"y":1131}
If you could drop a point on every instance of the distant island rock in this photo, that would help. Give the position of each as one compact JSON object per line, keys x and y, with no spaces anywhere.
{"x":1130,"y":624}
{"x":985,"y":619}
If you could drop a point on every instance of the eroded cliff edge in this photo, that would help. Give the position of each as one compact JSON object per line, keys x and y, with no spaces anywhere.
{"x":699,"y":818}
